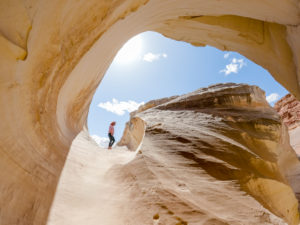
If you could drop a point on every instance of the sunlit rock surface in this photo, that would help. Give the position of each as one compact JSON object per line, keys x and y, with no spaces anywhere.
{"x":218,"y":155}
{"x":230,"y":134}
{"x":53,"y":55}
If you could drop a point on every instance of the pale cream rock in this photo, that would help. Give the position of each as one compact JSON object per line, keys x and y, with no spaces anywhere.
{"x":295,"y":139}
{"x":133,"y":134}
{"x":53,"y":55}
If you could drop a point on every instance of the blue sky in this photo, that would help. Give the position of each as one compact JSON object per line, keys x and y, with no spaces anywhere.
{"x":151,"y":66}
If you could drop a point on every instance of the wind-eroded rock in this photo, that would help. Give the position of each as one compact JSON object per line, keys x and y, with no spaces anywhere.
{"x":219,"y":155}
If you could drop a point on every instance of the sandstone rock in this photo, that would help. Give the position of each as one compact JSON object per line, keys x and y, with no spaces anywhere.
{"x":218,"y":155}
{"x":152,"y":104}
{"x":133,"y":134}
{"x":289,"y":109}
{"x":53,"y":55}
{"x":132,"y":137}
{"x":295,"y":140}
{"x":205,"y":150}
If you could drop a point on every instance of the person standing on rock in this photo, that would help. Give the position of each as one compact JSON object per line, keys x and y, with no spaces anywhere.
{"x":111,"y":132}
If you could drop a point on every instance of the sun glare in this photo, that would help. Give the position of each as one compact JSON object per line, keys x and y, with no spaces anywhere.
{"x":131,"y":51}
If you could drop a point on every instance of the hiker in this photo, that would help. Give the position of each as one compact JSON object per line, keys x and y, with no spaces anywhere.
{"x":111,"y":131}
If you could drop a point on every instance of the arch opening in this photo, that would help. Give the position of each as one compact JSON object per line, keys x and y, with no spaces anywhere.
{"x":130,"y":138}
{"x":251,"y":37}
{"x":161,"y":68}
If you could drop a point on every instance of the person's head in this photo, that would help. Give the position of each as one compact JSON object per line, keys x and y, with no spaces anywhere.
{"x":113,"y":123}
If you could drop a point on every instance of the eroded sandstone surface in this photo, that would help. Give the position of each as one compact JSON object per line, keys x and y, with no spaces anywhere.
{"x":289,"y":109}
{"x":216,"y":156}
{"x":53,"y":55}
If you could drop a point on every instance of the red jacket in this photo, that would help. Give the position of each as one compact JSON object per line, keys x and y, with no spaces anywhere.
{"x":111,"y":130}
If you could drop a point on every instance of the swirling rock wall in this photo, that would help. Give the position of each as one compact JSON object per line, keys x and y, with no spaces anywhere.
{"x":53,"y":55}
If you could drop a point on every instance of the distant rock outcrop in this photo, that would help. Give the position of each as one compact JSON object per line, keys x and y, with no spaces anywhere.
{"x":213,"y":156}
{"x":289,"y":109}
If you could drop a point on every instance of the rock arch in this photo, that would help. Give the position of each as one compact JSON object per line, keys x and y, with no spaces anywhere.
{"x":55,"y":53}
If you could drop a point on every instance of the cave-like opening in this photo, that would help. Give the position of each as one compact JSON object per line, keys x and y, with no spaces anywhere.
{"x":151,"y":66}
{"x":161,"y":68}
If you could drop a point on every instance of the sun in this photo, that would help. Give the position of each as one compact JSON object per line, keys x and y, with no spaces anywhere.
{"x":131,"y":51}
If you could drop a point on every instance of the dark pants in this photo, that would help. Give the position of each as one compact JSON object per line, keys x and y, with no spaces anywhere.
{"x":111,"y":140}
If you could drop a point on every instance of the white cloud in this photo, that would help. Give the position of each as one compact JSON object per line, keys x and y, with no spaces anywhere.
{"x":240,"y":62}
{"x":226,"y":55}
{"x":272,"y":97}
{"x":234,"y":67}
{"x":150,"y":57}
{"x":120,"y":108}
{"x":230,"y":68}
{"x":101,"y":141}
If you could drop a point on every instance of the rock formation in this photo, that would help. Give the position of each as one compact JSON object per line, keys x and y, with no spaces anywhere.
{"x":289,"y":109}
{"x":53,"y":55}
{"x":218,"y":155}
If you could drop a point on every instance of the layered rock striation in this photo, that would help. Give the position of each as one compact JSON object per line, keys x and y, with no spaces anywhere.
{"x":289,"y":110}
{"x":219,"y":155}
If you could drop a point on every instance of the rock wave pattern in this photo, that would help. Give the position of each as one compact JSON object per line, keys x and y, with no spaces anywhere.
{"x":219,"y":155}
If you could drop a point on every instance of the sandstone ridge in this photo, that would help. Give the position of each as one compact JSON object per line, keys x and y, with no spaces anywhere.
{"x":212,"y":147}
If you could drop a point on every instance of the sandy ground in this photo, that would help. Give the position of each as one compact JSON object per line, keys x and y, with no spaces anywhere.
{"x":79,"y":197}
{"x":295,"y":139}
{"x":88,"y":195}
